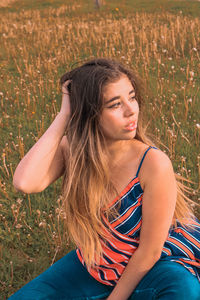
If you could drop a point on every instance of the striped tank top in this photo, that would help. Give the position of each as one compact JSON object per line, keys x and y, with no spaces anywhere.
{"x":181,"y":246}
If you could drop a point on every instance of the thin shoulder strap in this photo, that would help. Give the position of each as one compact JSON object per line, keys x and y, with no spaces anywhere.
{"x":143,"y":159}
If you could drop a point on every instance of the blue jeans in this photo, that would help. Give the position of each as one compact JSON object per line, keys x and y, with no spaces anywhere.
{"x":68,"y":279}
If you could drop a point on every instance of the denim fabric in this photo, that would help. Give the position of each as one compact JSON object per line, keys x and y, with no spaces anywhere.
{"x":68,"y":279}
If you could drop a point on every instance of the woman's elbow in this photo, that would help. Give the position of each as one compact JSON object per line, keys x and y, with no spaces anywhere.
{"x":149,"y":255}
{"x":23,"y":188}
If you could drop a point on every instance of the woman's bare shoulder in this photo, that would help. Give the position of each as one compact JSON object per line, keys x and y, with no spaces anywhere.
{"x":157,"y":158}
{"x":155,"y":161}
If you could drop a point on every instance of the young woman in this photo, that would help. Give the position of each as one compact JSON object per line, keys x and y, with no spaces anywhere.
{"x":135,"y":231}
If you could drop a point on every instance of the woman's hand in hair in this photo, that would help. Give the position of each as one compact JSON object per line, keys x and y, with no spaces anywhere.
{"x":65,"y":106}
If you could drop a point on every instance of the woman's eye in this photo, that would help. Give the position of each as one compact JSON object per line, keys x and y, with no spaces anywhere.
{"x":115,"y":105}
{"x":133,"y":98}
{"x":119,"y":103}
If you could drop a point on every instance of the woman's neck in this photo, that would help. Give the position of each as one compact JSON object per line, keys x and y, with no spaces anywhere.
{"x":119,"y":150}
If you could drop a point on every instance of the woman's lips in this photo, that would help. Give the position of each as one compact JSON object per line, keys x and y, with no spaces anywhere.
{"x":131,"y":126}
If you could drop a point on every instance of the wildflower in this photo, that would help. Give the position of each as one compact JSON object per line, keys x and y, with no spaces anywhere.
{"x":13,"y":206}
{"x":42,"y":224}
{"x":38,"y":212}
{"x":191,"y":73}
{"x":19,"y":201}
{"x":57,"y":210}
{"x":117,"y":9}
{"x":198,"y":126}
{"x":18,"y":226}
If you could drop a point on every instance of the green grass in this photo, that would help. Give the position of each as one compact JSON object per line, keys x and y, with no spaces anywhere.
{"x":189,"y":7}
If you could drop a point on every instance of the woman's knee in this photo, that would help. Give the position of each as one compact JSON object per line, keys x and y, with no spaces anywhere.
{"x":170,"y":281}
{"x":179,"y":284}
{"x":188,"y":287}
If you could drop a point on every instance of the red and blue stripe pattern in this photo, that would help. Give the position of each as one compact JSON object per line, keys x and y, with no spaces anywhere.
{"x":181,"y":246}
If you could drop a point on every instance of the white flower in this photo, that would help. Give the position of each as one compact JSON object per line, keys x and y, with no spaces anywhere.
{"x":19,"y":201}
{"x":191,"y":73}
{"x":18,"y":226}
{"x":42,"y":224}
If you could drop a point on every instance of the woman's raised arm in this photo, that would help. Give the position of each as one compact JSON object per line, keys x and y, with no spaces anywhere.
{"x":44,"y":162}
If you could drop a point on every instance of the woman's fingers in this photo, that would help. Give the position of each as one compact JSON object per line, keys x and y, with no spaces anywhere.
{"x":65,"y":87}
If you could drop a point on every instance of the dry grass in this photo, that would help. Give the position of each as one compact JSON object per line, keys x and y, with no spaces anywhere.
{"x":5,"y":3}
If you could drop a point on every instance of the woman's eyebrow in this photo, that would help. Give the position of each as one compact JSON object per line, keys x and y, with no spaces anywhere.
{"x":118,"y":97}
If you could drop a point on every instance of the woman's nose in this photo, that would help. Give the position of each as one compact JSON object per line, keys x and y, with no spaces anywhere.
{"x":129,"y":109}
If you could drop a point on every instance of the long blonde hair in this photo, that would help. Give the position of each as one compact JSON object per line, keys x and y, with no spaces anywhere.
{"x":87,"y":182}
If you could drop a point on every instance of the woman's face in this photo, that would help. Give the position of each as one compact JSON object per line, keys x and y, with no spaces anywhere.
{"x":120,"y":112}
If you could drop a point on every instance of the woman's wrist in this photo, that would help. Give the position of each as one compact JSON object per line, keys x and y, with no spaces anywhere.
{"x":65,"y":115}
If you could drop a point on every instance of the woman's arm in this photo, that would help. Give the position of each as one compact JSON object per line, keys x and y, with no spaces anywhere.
{"x":158,"y":205}
{"x":44,"y":162}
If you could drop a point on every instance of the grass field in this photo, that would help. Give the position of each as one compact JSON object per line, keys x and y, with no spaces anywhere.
{"x":40,"y":40}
